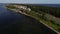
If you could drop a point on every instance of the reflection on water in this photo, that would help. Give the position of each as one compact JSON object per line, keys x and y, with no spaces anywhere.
{"x":14,"y":23}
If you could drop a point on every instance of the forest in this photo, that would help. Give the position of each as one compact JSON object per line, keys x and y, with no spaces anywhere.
{"x":55,"y":11}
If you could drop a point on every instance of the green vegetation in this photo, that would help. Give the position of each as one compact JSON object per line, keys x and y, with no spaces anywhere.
{"x":38,"y":12}
{"x":44,"y":20}
{"x":55,"y":11}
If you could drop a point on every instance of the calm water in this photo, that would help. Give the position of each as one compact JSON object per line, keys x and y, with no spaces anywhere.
{"x":14,"y":23}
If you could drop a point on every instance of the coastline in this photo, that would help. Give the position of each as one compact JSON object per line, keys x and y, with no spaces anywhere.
{"x":35,"y":18}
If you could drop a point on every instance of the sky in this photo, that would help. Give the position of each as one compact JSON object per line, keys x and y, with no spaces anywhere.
{"x":32,"y":1}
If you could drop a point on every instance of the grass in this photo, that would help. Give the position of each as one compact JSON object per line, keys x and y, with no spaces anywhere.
{"x":43,"y":19}
{"x":49,"y":23}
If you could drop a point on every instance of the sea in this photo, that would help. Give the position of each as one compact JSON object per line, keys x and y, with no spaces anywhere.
{"x":16,"y":23}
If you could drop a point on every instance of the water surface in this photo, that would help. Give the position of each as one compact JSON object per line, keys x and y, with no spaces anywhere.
{"x":14,"y":23}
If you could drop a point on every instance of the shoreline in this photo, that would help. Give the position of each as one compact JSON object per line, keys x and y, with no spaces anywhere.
{"x":35,"y":18}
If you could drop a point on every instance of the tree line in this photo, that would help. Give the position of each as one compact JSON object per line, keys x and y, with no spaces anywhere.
{"x":55,"y":11}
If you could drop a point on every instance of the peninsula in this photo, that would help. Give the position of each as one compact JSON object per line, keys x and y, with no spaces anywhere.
{"x":47,"y":19}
